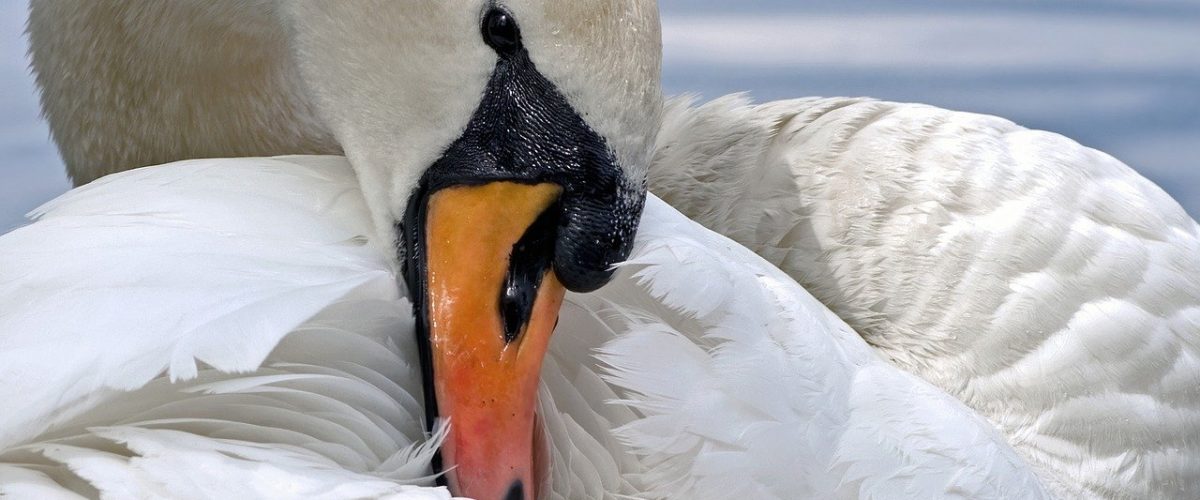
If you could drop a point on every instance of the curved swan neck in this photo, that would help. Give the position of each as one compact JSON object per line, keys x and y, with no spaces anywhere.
{"x":127,"y":84}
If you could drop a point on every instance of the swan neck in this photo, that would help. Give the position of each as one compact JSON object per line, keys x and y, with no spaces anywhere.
{"x":127,"y":84}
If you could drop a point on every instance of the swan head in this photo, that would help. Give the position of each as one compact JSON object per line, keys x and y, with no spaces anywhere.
{"x":505,"y":144}
{"x":397,"y":83}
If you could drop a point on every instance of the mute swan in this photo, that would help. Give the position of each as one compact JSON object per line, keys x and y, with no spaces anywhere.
{"x":1004,"y":300}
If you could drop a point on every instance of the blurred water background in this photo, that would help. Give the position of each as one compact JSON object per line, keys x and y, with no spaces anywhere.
{"x":1122,"y":76}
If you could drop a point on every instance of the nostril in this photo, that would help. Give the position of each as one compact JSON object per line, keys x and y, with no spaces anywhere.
{"x":516,"y":492}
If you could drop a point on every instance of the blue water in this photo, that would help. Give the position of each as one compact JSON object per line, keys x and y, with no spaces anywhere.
{"x":1120,"y":76}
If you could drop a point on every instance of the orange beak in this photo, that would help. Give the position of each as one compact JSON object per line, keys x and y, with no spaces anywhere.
{"x":491,"y":304}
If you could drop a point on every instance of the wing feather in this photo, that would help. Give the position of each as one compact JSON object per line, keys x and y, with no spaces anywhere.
{"x":226,"y":318}
{"x":1044,"y":283}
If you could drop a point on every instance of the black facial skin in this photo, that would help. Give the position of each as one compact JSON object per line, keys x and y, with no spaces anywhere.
{"x":531,"y":257}
{"x":525,"y":131}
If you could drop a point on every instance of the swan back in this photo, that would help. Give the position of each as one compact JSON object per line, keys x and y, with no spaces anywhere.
{"x":1045,"y":284}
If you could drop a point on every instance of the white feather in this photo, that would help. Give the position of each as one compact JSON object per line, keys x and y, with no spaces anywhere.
{"x":756,"y":390}
{"x":1045,"y":284}
{"x":306,"y":384}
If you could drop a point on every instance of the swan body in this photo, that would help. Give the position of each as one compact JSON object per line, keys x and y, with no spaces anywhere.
{"x":1045,"y":285}
{"x":266,"y":375}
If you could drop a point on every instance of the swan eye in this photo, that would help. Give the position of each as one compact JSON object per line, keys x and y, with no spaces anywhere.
{"x":500,"y":31}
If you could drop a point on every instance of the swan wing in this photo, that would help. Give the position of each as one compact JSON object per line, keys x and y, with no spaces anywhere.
{"x":224,"y":318}
{"x":1044,"y":283}
{"x":746,"y":386}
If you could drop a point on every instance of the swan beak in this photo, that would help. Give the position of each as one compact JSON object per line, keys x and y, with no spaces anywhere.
{"x":492,"y":302}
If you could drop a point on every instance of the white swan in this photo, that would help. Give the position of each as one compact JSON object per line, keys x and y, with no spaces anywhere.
{"x":955,"y":243}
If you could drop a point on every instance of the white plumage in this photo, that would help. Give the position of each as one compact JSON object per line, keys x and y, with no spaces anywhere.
{"x":734,"y":381}
{"x":179,"y":270}
{"x":1045,"y":284}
